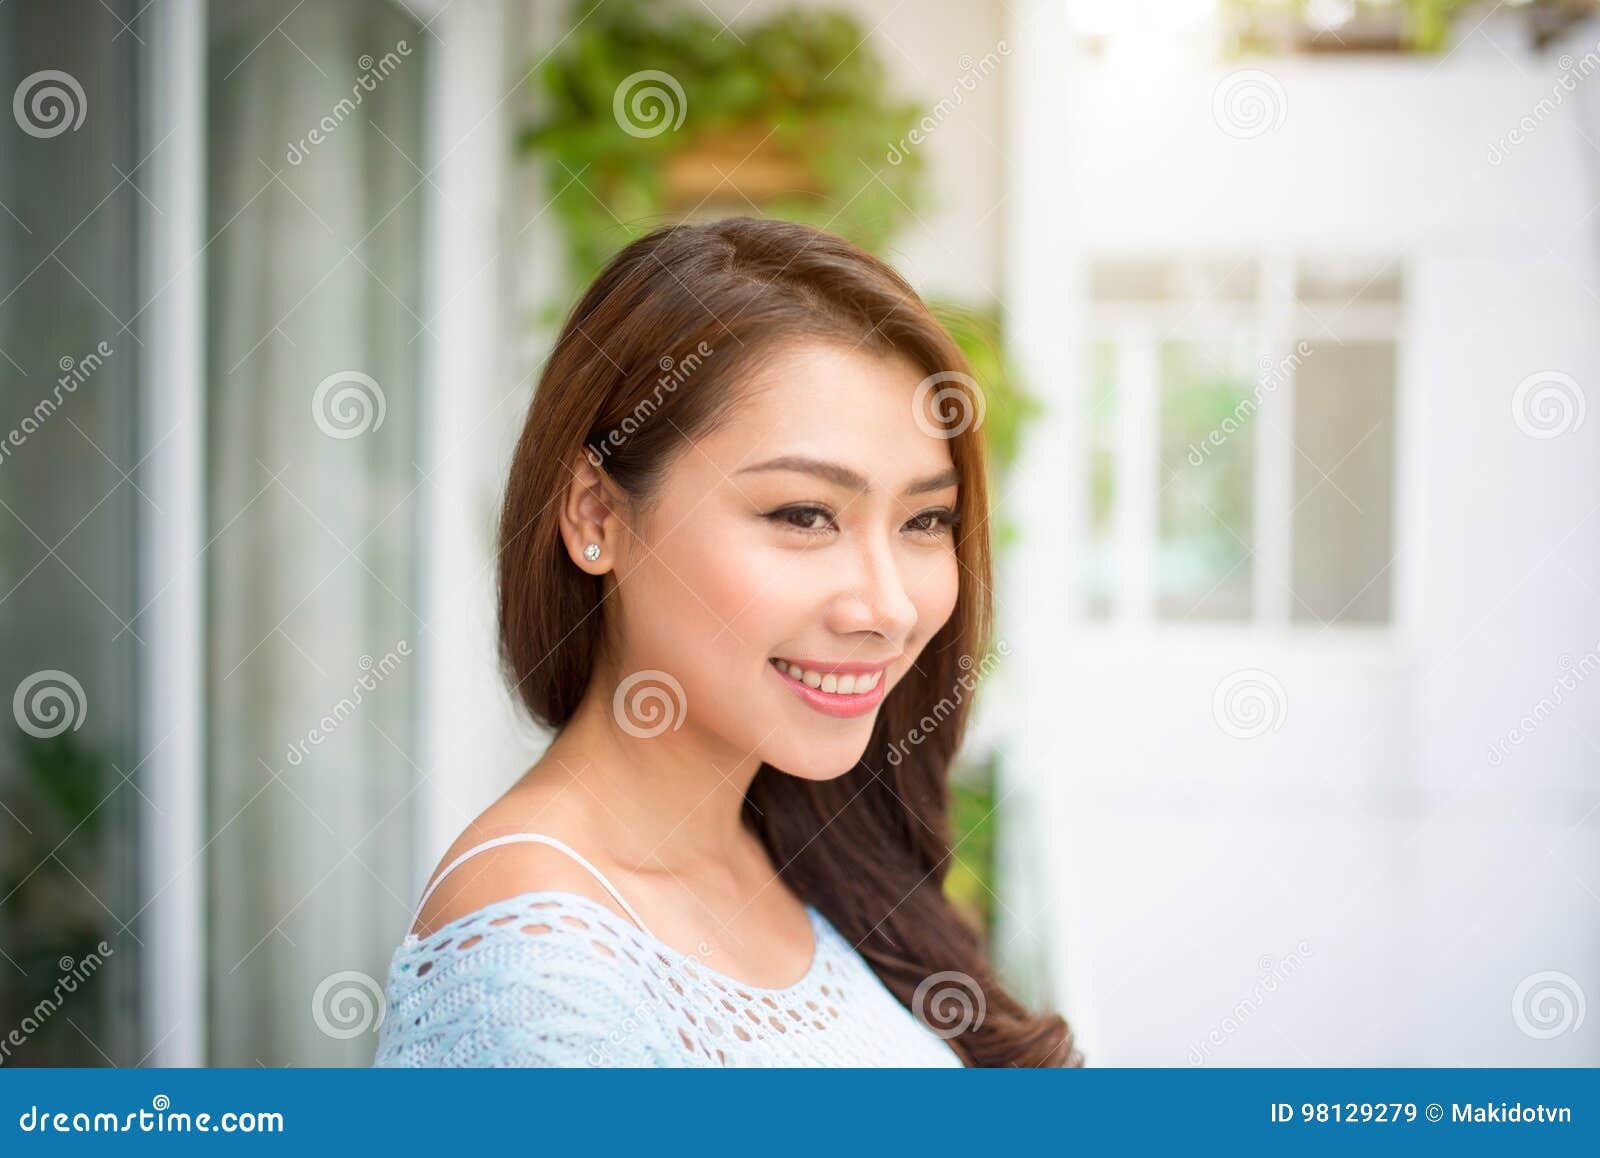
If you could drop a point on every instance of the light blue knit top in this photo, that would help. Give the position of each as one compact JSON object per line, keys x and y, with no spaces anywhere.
{"x":555,"y":978}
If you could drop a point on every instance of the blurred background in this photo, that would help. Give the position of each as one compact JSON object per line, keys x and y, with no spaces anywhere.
{"x":1285,"y":314}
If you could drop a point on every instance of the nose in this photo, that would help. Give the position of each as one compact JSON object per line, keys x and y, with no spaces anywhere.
{"x":873,"y":596}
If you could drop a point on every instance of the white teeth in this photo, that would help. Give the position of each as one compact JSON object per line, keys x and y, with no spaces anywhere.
{"x":841,"y":685}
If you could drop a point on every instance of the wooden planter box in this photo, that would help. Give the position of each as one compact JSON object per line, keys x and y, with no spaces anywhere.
{"x":724,"y":172}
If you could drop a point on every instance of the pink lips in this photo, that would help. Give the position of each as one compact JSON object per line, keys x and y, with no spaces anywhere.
{"x":832,"y":703}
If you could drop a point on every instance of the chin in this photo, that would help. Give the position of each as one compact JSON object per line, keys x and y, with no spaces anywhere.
{"x":819,"y":766}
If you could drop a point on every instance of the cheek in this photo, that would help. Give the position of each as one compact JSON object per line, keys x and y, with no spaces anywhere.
{"x":934,"y":589}
{"x":718,"y":594}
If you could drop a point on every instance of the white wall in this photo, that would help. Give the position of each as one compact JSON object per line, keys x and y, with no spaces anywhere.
{"x":1427,"y":883}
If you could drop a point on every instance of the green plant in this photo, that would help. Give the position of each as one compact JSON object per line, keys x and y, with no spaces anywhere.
{"x":803,"y":79}
{"x":52,"y":801}
{"x":973,"y":810}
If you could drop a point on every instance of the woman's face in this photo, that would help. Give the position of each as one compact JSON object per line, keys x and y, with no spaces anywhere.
{"x":812,"y":529}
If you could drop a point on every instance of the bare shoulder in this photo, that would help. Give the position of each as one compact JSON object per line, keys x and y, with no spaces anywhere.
{"x":512,"y":868}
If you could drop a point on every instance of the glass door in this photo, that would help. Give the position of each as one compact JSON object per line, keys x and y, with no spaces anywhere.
{"x":316,"y":183}
{"x":71,"y":637}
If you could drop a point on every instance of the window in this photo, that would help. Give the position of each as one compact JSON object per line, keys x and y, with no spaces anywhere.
{"x":1239,"y":420}
{"x":71,"y":631}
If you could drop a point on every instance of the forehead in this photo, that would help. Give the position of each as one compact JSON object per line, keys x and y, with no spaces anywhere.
{"x":853,"y":406}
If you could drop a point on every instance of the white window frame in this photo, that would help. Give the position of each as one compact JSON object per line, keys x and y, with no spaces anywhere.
{"x":1278,"y":322}
{"x":172,"y":572}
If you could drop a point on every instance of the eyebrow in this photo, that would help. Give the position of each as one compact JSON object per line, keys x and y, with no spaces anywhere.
{"x":851,"y":480}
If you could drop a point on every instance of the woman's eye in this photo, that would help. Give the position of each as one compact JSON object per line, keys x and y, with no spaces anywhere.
{"x":813,"y":520}
{"x":803,"y":519}
{"x":936,"y":523}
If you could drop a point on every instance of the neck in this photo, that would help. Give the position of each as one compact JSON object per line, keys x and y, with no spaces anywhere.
{"x":669,"y":801}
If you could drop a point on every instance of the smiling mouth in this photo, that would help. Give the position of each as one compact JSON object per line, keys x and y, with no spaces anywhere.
{"x":850,"y":683}
{"x":844,"y":691}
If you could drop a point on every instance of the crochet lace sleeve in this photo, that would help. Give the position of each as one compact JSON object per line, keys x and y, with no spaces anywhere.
{"x":521,"y":991}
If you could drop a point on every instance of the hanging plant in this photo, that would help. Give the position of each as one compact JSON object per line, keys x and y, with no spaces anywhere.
{"x":653,"y":112}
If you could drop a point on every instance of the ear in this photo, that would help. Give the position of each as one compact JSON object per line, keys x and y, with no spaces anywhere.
{"x":589,"y":515}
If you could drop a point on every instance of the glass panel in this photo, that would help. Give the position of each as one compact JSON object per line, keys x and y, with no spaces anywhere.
{"x":70,"y":804}
{"x":1344,"y":482}
{"x":1205,"y":516}
{"x":315,"y":325}
{"x":1098,"y":563}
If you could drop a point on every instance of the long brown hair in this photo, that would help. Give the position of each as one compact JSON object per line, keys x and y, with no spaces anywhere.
{"x":871,"y":848}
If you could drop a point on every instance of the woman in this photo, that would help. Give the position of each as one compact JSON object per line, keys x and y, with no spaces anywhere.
{"x":744,"y":565}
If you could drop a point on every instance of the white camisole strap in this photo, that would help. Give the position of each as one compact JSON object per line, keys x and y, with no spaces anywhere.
{"x":538,"y":838}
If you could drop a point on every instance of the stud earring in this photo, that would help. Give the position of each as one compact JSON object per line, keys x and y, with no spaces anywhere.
{"x":592,"y":552}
